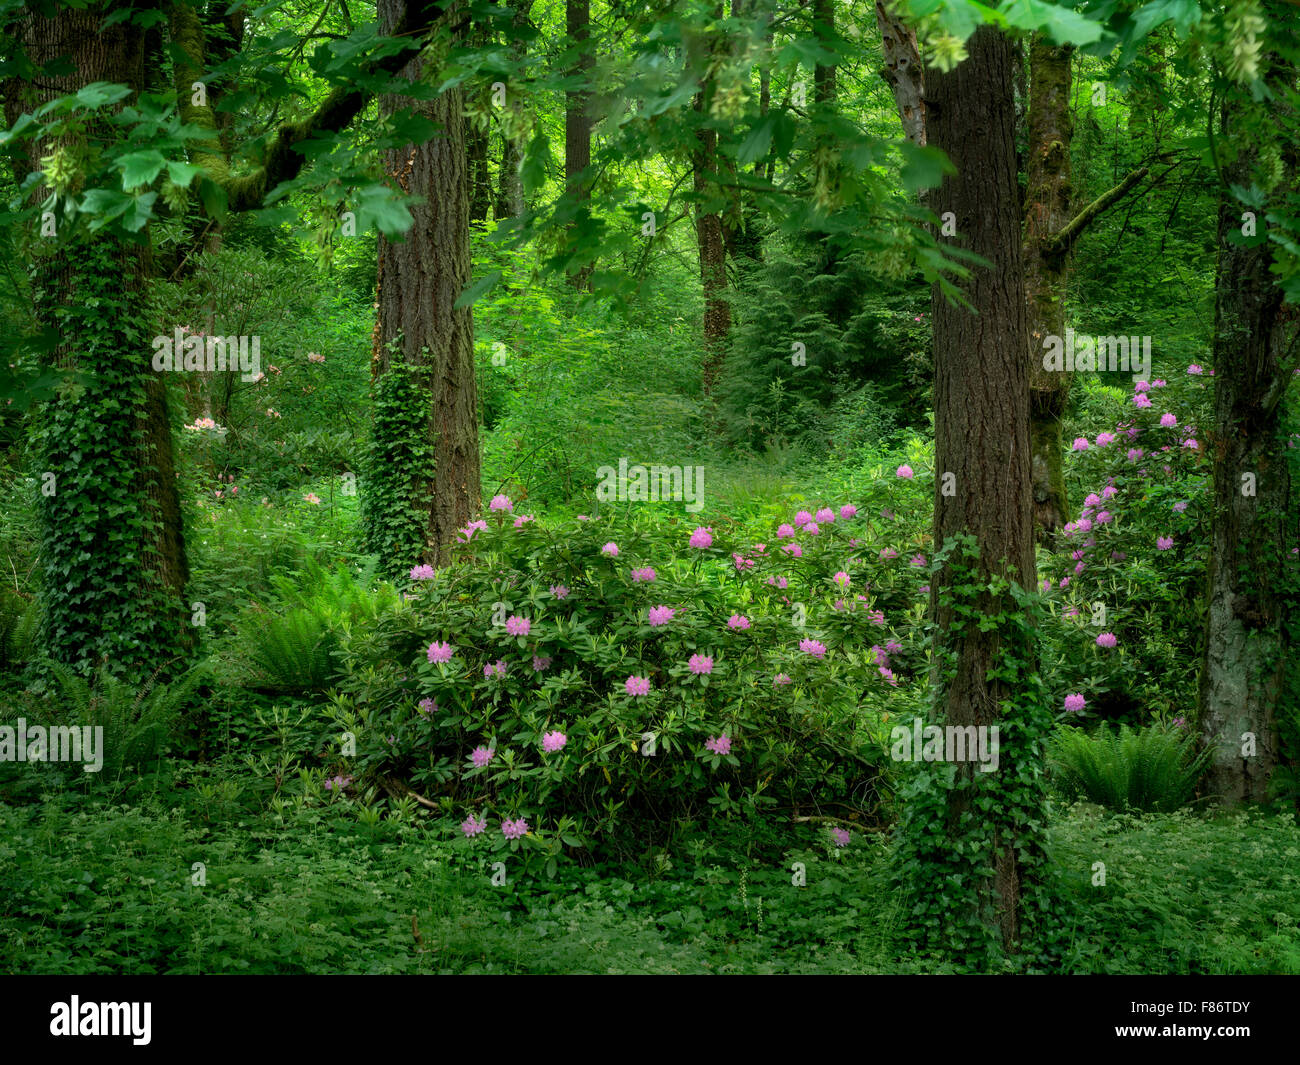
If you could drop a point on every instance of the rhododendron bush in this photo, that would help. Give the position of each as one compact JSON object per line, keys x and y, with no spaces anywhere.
{"x":579,"y":672}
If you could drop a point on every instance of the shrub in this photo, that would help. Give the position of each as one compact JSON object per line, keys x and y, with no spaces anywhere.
{"x":1149,"y":769}
{"x":759,"y":690}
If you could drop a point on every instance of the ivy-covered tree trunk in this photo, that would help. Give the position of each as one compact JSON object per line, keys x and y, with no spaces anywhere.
{"x":422,"y":480}
{"x":1047,"y":210}
{"x":112,"y":547}
{"x":977,"y":832}
{"x":1252,"y":585}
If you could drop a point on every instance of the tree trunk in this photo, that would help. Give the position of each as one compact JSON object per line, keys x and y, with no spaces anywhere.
{"x":480,"y":177}
{"x":112,"y":545}
{"x":823,"y":13}
{"x":423,"y":482}
{"x":1247,"y":641}
{"x":903,"y":71}
{"x":577,"y":123}
{"x":709,"y":238}
{"x":981,"y":401}
{"x":509,"y":201}
{"x":1047,"y":210}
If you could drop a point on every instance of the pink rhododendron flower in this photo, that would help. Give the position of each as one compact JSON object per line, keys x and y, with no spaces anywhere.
{"x":541,"y":663}
{"x":661,"y":615}
{"x":905,"y":472}
{"x":421,"y":573}
{"x":813,"y":647}
{"x":1180,"y":506}
{"x":700,"y":664}
{"x":554,"y":741}
{"x":1103,"y":439}
{"x":1092,"y":500}
{"x":919,"y":561}
{"x":501,"y":502}
{"x":610,"y":549}
{"x":1075,"y":703}
{"x":848,"y":511}
{"x":637,"y":685}
{"x":514,"y":829}
{"x":522,"y":520}
{"x":780,"y":680}
{"x":495,"y":669}
{"x":842,"y":579}
{"x":738,"y":622}
{"x":1164,"y":543}
{"x":559,"y":591}
{"x":1109,"y":491}
{"x":1106,"y":639}
{"x":1142,"y":386}
{"x":1194,"y":370}
{"x":702,"y":538}
{"x":1168,"y":421}
{"x":645,"y":573}
{"x":887,"y":553}
{"x":824,"y":516}
{"x":473,"y":828}
{"x":811,"y":528}
{"x":427,"y":706}
{"x":480,"y":756}
{"x":841,"y":836}
{"x":1080,"y":444}
{"x":517,"y":626}
{"x":440,"y":652}
{"x":783,"y":531}
{"x":792,"y":549}
{"x":1142,"y":400}
{"x":719,"y":744}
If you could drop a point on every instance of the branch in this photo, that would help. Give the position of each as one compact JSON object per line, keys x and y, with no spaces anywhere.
{"x":339,"y":108}
{"x":1059,"y":242}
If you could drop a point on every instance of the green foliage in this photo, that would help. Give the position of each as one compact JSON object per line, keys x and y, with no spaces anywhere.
{"x":1149,"y":769}
{"x":110,"y":605}
{"x":817,"y":294}
{"x":804,"y":728}
{"x":398,"y":468}
{"x":958,"y":822}
{"x":295,"y":640}
{"x":18,"y":624}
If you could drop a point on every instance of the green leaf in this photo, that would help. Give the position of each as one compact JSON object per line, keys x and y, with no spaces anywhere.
{"x":140,"y":168}
{"x":923,"y":168}
{"x":474,"y":291}
{"x":381,"y":207}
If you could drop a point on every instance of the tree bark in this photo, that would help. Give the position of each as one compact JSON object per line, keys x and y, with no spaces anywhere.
{"x":419,"y":281}
{"x":577,"y":122}
{"x":709,"y":236}
{"x":981,"y":400}
{"x":1247,"y":639}
{"x":1047,"y":211}
{"x":903,"y":71}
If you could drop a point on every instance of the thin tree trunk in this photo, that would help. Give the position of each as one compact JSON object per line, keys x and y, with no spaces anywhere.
{"x":709,"y":238}
{"x":577,"y":122}
{"x":903,"y":71}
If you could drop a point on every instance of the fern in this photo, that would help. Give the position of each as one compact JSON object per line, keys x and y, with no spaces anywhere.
{"x":1150,"y":769}
{"x":137,"y":722}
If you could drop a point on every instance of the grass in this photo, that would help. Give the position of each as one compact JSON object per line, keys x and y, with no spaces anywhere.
{"x":92,"y":885}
